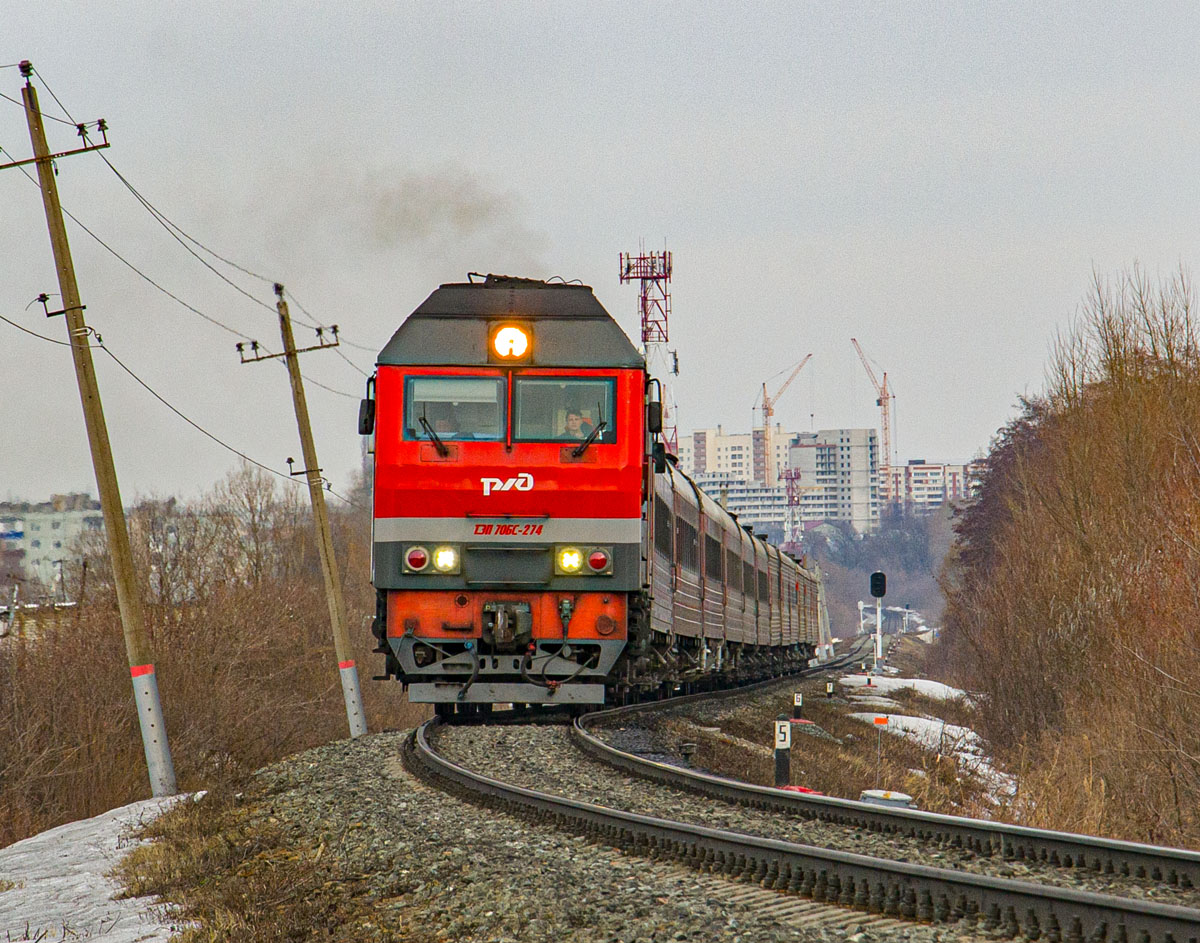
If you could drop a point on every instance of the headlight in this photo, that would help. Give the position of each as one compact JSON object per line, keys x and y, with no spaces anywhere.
{"x":510,"y":343}
{"x":570,"y":560}
{"x":445,"y":560}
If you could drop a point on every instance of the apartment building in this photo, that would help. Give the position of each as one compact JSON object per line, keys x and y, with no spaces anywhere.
{"x":924,"y":486}
{"x":36,"y":537}
{"x":735,"y":455}
{"x":835,"y":473}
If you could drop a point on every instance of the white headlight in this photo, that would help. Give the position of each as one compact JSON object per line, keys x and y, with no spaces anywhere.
{"x":445,"y":559}
{"x":570,"y":560}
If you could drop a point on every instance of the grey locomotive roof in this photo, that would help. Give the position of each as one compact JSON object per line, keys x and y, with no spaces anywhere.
{"x":570,"y":327}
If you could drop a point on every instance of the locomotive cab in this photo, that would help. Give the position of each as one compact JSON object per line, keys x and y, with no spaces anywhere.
{"x":511,"y":443}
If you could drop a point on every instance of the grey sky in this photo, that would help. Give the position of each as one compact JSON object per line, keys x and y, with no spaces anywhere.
{"x":936,"y":180}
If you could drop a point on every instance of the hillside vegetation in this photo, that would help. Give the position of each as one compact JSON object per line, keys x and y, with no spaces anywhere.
{"x":243,"y":649}
{"x":1073,"y":590}
{"x":908,"y":548}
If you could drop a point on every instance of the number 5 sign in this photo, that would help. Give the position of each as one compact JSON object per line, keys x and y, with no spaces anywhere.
{"x":783,"y":735}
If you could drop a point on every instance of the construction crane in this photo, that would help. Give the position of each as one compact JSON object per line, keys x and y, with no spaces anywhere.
{"x":768,"y":410}
{"x":884,"y":399}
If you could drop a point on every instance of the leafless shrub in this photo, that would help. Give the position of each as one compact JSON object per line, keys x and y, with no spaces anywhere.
{"x":1072,"y":592}
{"x":240,"y":632}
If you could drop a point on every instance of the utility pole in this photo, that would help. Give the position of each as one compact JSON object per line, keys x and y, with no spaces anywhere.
{"x":311,"y":471}
{"x":137,"y":645}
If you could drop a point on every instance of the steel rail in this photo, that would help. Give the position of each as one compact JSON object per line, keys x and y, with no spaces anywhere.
{"x":1175,"y":866}
{"x":893,"y":888}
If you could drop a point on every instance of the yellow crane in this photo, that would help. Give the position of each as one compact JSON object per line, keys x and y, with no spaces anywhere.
{"x":768,"y":410}
{"x":884,"y":399}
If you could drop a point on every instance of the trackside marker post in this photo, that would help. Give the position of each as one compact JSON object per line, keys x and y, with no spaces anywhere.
{"x":829,"y":689}
{"x":797,"y":706}
{"x":783,"y":751}
{"x":880,"y":726}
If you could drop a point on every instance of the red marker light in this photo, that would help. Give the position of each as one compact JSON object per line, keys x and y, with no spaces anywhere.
{"x":417,"y":558}
{"x":598,"y":560}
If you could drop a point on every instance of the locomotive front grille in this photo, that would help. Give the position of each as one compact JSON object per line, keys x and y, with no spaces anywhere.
{"x":489,"y":564}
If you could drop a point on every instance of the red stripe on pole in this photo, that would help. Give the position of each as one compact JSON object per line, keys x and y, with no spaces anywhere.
{"x":346,"y":664}
{"x":138,"y":670}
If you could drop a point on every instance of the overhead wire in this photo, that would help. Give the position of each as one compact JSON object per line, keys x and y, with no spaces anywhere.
{"x":176,"y":232}
{"x":42,"y":337}
{"x":191,"y":422}
{"x":182,"y":237}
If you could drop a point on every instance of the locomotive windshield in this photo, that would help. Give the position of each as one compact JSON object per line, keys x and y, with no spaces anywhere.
{"x":455,"y":407}
{"x":563,"y":408}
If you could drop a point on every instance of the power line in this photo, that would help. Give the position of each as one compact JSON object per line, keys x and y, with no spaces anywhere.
{"x":133,"y":268}
{"x":43,"y":114}
{"x":195,"y":425}
{"x":168,"y":226}
{"x":41,"y":337}
{"x":180,"y":235}
{"x":52,"y":95}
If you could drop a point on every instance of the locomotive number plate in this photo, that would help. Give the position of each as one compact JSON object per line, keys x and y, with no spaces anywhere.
{"x":508,"y":530}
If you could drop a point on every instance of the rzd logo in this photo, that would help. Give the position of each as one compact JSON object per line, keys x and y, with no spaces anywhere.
{"x":523,"y":482}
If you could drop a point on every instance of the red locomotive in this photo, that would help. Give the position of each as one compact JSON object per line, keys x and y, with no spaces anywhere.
{"x":532,"y":543}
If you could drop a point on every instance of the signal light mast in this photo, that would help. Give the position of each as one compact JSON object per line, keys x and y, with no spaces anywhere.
{"x":653,"y":271}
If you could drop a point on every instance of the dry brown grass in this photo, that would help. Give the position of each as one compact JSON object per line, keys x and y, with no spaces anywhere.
{"x":857,"y":760}
{"x":242,"y":645}
{"x":236,"y":876}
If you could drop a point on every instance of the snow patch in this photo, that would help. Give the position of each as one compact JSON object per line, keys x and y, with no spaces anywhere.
{"x":61,"y":885}
{"x":933,"y":689}
{"x":961,"y":743}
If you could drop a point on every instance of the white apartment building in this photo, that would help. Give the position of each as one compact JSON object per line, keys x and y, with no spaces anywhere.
{"x":755,"y":505}
{"x":734,"y":455}
{"x":923,"y":486}
{"x":40,"y":536}
{"x":838,"y":476}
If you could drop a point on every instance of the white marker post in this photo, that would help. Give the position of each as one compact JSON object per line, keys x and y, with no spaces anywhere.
{"x":880,"y":726}
{"x":797,"y":706}
{"x":783,"y":751}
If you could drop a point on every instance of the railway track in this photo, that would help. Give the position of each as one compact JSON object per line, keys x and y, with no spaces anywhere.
{"x":1175,"y":867}
{"x":878,"y":889}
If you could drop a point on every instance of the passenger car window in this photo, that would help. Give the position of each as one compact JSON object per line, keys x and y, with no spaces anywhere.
{"x":456,"y":408}
{"x":562,"y":409}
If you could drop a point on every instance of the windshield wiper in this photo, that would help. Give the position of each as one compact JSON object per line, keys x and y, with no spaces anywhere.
{"x":590,"y":439}
{"x":441,"y":446}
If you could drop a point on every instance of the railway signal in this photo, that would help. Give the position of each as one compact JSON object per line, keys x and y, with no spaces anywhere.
{"x":878,"y":590}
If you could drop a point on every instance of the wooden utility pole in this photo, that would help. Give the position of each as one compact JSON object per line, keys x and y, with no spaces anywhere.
{"x":137,"y":645}
{"x":312,"y":473}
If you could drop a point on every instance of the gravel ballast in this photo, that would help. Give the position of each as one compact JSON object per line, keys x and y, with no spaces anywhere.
{"x":433,"y":867}
{"x":544,"y":758}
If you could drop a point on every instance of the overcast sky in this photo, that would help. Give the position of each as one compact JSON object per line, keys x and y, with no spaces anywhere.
{"x":938,"y":180}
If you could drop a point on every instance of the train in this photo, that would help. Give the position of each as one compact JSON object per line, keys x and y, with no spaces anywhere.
{"x":533,"y":541}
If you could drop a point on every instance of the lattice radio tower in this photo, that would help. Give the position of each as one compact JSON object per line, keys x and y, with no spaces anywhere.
{"x":653,"y":271}
{"x":792,"y":542}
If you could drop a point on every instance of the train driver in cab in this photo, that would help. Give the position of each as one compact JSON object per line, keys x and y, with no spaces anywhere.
{"x":576,"y":427}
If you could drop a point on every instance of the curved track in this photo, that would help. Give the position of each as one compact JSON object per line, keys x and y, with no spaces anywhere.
{"x":878,"y":886}
{"x":1174,"y":866}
